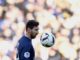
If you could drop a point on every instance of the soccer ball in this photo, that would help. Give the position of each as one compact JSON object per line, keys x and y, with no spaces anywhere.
{"x":47,"y":39}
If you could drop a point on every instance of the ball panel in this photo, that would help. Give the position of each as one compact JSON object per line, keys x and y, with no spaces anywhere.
{"x":47,"y":39}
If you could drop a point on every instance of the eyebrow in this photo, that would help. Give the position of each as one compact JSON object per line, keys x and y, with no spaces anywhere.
{"x":37,"y":29}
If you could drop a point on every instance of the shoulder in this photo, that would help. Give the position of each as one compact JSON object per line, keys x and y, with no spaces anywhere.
{"x":24,"y":41}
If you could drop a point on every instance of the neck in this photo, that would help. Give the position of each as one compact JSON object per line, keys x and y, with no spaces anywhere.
{"x":27,"y":35}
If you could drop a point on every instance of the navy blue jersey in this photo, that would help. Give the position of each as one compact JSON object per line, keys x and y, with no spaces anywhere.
{"x":25,"y":49}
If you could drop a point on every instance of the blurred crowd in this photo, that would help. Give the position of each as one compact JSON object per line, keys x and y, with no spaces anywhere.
{"x":61,"y":17}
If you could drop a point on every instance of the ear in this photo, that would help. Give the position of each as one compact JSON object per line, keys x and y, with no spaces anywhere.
{"x":28,"y":30}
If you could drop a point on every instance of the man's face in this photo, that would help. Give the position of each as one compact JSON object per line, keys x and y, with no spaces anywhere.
{"x":34,"y":32}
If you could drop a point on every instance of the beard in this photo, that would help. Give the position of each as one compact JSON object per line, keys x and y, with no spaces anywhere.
{"x":33,"y":36}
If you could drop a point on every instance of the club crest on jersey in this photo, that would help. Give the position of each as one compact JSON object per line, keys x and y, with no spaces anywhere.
{"x":27,"y":54}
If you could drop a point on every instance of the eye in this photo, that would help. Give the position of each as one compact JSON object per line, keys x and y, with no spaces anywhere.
{"x":36,"y":29}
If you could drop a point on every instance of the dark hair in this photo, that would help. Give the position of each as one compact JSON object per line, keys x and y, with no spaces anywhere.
{"x":31,"y":24}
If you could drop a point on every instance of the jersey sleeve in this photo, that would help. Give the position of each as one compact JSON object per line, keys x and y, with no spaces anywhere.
{"x":24,"y":52}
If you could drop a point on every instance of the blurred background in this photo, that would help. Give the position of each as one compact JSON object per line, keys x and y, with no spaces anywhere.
{"x":61,"y":17}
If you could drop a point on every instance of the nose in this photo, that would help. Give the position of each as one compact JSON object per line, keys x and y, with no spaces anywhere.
{"x":37,"y":32}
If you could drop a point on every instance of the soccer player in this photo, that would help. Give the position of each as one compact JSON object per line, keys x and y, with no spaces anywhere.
{"x":25,"y":48}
